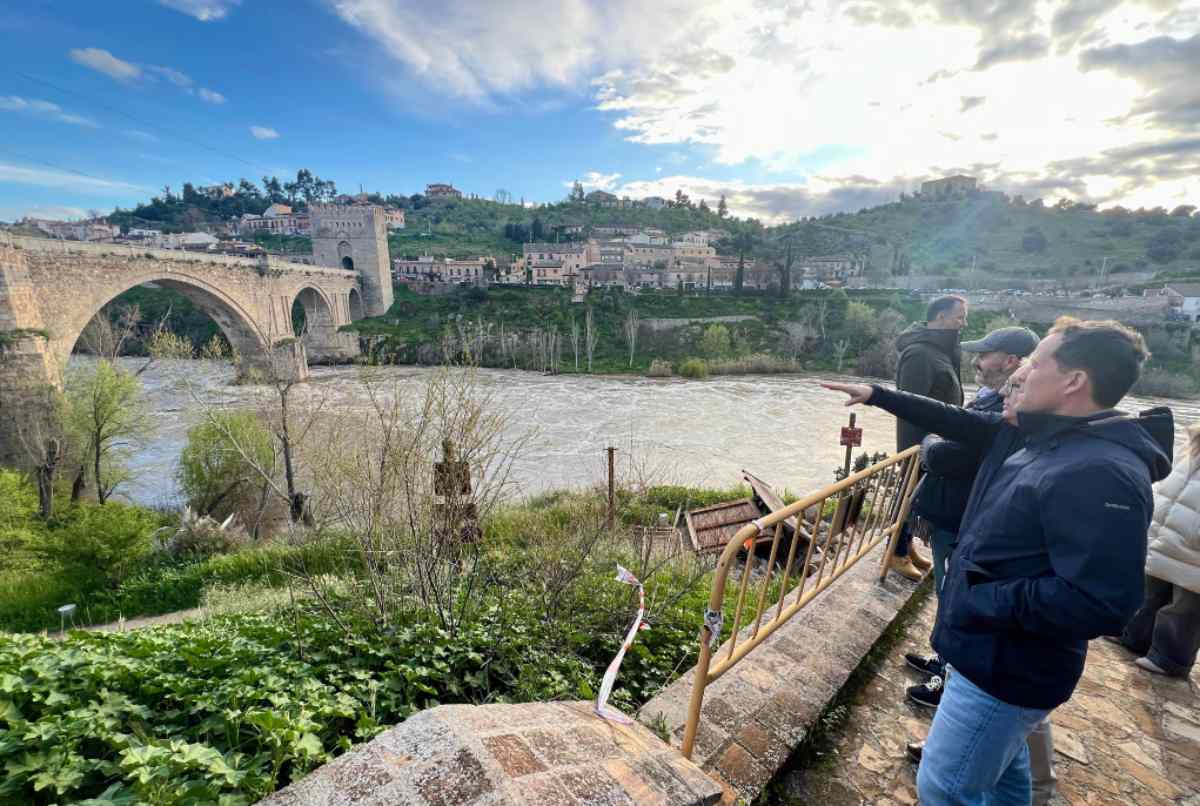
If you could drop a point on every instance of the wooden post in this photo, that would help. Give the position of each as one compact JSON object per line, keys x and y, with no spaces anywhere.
{"x":612,"y":489}
{"x":849,"y":446}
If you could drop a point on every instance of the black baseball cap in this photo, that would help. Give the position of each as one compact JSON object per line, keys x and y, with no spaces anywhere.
{"x":1018,"y":341}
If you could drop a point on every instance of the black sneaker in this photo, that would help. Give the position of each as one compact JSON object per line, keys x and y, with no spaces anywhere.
{"x":931,"y":665}
{"x":928,"y":694}
{"x":914,"y":750}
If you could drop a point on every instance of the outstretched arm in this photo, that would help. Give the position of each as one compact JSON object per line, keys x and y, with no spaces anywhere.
{"x":976,"y":428}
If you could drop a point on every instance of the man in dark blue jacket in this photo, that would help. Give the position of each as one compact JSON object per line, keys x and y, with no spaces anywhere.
{"x":1050,"y":554}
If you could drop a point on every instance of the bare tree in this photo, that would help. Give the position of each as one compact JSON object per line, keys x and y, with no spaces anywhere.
{"x":414,"y":537}
{"x":631,"y":332}
{"x":575,"y":340}
{"x":591,"y":336}
{"x":822,"y":318}
{"x":839,"y":352}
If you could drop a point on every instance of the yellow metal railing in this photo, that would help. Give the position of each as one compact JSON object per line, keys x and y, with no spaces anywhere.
{"x":838,"y":526}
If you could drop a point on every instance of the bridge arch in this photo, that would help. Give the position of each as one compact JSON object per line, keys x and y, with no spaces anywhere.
{"x":238,"y":326}
{"x":355,"y":304}
{"x":316,"y":316}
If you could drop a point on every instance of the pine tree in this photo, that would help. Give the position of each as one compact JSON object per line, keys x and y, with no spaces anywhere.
{"x":722,"y":207}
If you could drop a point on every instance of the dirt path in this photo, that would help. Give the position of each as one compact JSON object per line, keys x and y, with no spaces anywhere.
{"x":1125,"y":737}
{"x":191,"y":614}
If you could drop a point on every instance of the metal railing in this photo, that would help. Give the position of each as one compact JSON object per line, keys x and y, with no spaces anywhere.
{"x":835,"y":527}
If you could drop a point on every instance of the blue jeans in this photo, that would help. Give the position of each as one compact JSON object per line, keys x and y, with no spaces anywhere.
{"x":942,"y":541}
{"x":976,"y":751}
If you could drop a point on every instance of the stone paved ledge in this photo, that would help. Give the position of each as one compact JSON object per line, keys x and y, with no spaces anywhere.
{"x":1125,"y":737}
{"x":757,"y":713}
{"x":536,"y":754}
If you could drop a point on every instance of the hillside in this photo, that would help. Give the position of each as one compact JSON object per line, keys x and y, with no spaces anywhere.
{"x":1013,"y":239}
{"x":1003,"y":239}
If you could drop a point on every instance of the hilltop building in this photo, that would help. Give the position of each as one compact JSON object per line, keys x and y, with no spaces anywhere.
{"x":439,"y":190}
{"x":278,"y":219}
{"x":949,"y":187}
{"x":602,"y":198}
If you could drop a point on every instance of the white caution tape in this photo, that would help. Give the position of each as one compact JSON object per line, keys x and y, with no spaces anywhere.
{"x":610,"y":674}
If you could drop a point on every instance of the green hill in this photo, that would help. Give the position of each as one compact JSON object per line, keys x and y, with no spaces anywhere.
{"x":1000,"y":238}
{"x":1011,"y":238}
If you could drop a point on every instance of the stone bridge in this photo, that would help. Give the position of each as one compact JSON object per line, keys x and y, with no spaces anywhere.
{"x":50,"y":290}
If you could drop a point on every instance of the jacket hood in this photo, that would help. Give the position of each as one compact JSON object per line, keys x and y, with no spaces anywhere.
{"x":1150,"y":435}
{"x":917,"y":333}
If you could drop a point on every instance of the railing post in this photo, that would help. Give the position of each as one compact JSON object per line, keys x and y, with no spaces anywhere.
{"x":912,"y":472}
{"x":697,"y":700}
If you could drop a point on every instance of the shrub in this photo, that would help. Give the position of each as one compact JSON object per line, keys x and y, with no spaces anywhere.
{"x":217,"y":468}
{"x":694,"y":368}
{"x":1159,"y":382}
{"x":97,"y":546}
{"x":715,"y":342}
{"x":659,"y":369}
{"x":755,"y":364}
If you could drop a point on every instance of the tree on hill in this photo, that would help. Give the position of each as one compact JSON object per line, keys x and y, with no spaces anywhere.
{"x":576,"y":195}
{"x":1034,"y":240}
{"x":722,"y":207}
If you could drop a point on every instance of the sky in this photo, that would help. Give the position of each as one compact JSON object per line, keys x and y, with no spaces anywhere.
{"x":790,"y":108}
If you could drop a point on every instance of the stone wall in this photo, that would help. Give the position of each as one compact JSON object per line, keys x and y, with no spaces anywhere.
{"x":539,"y":754}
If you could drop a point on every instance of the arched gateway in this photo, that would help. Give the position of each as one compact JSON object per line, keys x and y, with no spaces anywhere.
{"x":50,"y":290}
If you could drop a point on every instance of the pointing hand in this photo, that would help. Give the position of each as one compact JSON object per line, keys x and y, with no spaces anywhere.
{"x":858,"y":392}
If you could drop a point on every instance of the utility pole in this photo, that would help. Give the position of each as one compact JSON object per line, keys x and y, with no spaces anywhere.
{"x":612,"y":488}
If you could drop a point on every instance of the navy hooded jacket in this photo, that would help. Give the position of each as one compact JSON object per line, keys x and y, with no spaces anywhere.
{"x":1052,"y":545}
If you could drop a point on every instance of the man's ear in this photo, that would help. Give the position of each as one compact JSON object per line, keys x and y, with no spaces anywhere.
{"x":1077,"y":381}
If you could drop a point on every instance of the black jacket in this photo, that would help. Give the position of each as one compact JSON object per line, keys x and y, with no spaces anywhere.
{"x":1052,"y":545}
{"x":950,"y":469}
{"x":929,"y":365}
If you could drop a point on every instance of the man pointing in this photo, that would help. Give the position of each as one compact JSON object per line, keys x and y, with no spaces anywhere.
{"x":1049,"y":555}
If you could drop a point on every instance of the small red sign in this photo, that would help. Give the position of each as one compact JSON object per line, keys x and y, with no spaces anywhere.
{"x":851,"y":437}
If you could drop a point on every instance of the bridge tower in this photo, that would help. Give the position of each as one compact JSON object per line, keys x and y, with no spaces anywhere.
{"x":354,"y":237}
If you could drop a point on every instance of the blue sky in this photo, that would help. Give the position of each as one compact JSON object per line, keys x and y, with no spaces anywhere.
{"x":788,"y":108}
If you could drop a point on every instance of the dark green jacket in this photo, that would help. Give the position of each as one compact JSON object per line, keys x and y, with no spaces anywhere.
{"x":930,"y":366}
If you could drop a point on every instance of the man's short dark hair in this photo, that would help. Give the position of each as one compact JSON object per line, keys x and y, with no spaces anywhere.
{"x":943,"y":304}
{"x":1109,"y":352}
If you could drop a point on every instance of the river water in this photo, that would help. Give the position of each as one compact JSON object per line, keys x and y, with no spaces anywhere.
{"x":784,"y":429}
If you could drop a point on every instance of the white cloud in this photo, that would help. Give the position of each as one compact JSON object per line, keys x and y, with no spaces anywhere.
{"x":203,"y":10}
{"x":52,"y":212}
{"x":170,"y":74}
{"x":479,"y":51}
{"x":42,"y":177}
{"x":137,"y":134}
{"x":868,"y":95}
{"x":104,"y":62}
{"x":873,"y":88}
{"x":264,"y":133}
{"x":594,"y":180}
{"x":45,"y":110}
